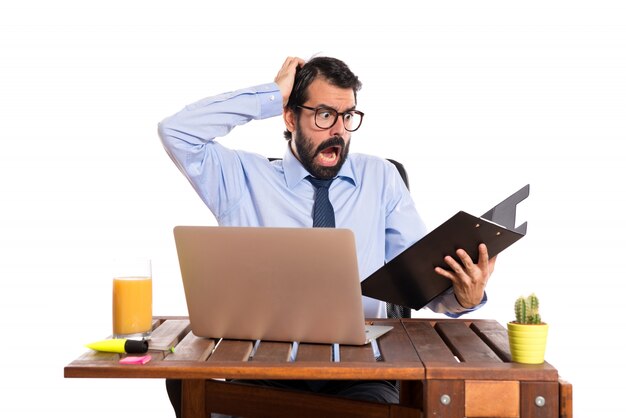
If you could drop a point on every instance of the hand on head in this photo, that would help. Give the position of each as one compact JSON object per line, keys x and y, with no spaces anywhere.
{"x":468,"y":279}
{"x":286,"y":75}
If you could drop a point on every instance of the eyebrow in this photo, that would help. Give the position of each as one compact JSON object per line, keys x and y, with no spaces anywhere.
{"x":331,"y":107}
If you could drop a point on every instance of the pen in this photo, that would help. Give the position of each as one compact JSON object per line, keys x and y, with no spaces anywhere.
{"x":122,"y":345}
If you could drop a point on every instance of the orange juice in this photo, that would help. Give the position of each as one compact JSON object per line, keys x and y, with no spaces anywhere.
{"x":132,"y":307}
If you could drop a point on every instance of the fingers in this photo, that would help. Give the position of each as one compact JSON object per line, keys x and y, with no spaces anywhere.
{"x":467,"y":263}
{"x":469,"y":279}
{"x":483,"y":258}
{"x":286,"y":75}
{"x":465,"y":259}
{"x":445,"y":273}
{"x":290,"y":65}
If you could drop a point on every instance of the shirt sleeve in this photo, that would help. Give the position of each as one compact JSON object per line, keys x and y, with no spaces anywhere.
{"x":189,"y":139}
{"x":403,"y":224}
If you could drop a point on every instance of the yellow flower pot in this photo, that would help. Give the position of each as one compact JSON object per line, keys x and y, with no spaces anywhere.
{"x":527,"y":342}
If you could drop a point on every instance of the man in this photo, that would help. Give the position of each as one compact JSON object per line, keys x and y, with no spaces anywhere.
{"x":317,"y":100}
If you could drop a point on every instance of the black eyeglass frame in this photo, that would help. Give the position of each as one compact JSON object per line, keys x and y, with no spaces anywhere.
{"x":337,"y":114}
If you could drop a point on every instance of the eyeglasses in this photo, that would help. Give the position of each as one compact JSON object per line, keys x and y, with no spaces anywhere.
{"x":326,"y":117}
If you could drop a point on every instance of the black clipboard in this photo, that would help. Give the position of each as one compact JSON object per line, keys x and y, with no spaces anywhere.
{"x":410,"y":280}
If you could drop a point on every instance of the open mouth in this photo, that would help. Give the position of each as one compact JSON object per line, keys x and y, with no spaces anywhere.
{"x":329,"y":157}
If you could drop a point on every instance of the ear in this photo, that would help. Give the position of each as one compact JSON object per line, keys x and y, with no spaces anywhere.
{"x":289,"y":117}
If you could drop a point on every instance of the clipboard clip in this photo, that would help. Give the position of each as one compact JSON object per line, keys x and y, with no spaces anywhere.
{"x":504,"y":212}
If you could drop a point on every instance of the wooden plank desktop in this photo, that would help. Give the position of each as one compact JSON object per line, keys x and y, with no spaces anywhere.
{"x":447,"y":368}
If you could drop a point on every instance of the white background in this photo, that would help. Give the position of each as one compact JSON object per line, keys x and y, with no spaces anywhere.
{"x":476,"y":98}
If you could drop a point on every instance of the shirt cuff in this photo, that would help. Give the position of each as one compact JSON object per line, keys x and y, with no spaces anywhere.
{"x":448,"y":304}
{"x":270,"y":100}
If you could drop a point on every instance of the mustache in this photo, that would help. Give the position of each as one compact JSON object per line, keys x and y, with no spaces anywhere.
{"x":331,"y":142}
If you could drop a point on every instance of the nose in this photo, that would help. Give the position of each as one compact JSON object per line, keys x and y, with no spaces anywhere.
{"x":338,"y":129}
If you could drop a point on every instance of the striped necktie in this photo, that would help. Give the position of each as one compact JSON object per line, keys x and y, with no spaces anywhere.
{"x":323,"y":212}
{"x":323,"y":217}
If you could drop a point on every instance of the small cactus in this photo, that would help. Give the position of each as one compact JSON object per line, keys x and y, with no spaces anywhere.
{"x":527,"y":310}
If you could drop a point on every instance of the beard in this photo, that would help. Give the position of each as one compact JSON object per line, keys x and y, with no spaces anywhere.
{"x":307,"y":152}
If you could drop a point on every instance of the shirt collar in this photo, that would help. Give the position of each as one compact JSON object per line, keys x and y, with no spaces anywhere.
{"x":295,"y":171}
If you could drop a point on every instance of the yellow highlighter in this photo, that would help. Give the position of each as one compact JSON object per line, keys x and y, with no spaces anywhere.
{"x":120,"y":345}
{"x":123,"y":345}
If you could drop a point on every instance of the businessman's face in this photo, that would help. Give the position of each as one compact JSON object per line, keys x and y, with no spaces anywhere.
{"x":322,"y":149}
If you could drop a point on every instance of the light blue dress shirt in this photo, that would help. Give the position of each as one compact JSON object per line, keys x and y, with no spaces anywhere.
{"x":245,"y":189}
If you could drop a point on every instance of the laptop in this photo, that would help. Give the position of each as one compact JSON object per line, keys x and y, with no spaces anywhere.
{"x":273,"y":284}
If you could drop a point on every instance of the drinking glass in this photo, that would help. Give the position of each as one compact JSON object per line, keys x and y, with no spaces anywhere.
{"x":132,"y":299}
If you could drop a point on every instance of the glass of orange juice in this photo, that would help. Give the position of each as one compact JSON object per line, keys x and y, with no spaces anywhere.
{"x":132,"y":299}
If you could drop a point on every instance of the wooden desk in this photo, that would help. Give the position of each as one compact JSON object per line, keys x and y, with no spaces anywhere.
{"x":447,"y":368}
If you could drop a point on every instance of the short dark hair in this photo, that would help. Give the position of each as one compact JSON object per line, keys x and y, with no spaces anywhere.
{"x":335,"y":71}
